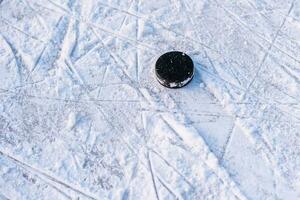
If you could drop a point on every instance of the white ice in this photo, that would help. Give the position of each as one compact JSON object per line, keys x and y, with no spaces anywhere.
{"x":82,"y":115}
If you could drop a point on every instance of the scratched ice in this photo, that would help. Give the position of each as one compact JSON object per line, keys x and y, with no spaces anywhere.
{"x":83,"y":117}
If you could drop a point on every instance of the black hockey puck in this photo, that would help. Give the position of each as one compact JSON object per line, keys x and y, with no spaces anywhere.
{"x":174,"y":69}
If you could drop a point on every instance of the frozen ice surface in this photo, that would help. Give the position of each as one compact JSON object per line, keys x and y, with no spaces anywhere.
{"x":82,"y":116}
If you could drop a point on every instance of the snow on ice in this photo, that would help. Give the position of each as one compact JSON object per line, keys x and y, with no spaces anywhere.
{"x":83,"y":117}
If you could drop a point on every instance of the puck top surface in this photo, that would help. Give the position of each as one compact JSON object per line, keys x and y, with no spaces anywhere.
{"x":174,"y":69}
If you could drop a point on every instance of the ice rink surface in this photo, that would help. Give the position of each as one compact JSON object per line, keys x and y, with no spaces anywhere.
{"x":83,"y":117}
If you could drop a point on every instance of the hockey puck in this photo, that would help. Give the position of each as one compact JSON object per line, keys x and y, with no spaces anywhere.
{"x":174,"y":69}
